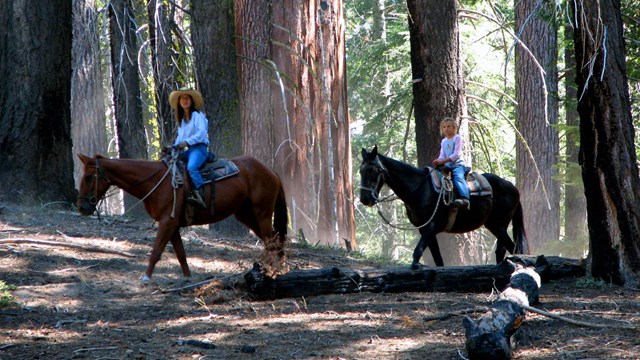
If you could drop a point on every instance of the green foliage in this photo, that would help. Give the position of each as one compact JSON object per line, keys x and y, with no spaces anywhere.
{"x":6,"y":299}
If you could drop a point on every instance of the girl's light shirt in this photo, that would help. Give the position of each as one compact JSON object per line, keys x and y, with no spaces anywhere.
{"x":194,"y":131}
{"x":451,"y":148}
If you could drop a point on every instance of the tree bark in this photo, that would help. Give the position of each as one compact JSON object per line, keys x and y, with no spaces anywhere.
{"x":444,"y":279}
{"x":608,"y":158}
{"x":536,"y":113}
{"x":35,"y":122}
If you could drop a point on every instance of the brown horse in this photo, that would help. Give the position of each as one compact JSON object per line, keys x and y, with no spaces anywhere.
{"x":255,"y":195}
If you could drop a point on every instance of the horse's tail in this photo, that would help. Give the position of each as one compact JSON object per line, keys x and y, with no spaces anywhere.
{"x":519,"y":235}
{"x":281,"y":216}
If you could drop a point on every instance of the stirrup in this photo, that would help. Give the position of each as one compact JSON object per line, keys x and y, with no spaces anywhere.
{"x":196,"y":198}
{"x":462,"y":203}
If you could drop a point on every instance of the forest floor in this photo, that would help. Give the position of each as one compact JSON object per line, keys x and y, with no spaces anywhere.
{"x":73,"y":303}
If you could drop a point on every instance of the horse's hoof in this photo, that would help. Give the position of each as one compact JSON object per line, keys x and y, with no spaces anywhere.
{"x":416,"y":266}
{"x":144,"y":279}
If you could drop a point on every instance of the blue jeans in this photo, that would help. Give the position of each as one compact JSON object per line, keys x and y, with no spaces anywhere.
{"x":195,"y":157}
{"x":460,"y":182}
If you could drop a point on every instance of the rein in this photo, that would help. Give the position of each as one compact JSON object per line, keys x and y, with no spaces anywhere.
{"x":448,"y":188}
{"x":171,"y":168}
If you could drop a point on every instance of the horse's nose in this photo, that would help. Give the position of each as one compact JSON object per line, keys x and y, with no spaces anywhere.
{"x":366,"y":200}
{"x":86,"y":208}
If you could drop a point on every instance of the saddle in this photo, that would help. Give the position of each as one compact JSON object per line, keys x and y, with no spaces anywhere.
{"x":477,"y":183}
{"x":212,"y":170}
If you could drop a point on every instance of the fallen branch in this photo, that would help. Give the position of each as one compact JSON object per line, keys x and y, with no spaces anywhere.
{"x":94,"y":349}
{"x":61,"y":244}
{"x":578,"y":322}
{"x":447,"y":315}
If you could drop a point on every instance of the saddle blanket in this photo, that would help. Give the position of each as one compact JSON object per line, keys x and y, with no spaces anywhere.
{"x":218,"y":169}
{"x":478,"y":184}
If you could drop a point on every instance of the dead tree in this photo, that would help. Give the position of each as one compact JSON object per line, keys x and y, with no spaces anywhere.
{"x":402,"y":279}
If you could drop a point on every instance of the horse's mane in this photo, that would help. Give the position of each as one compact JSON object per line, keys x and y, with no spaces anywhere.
{"x":400,"y":166}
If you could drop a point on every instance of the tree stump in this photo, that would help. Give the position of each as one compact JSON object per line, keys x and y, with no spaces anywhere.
{"x":335,"y":280}
{"x":490,"y":336}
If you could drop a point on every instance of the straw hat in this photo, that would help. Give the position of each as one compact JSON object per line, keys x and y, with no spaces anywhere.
{"x":195,"y":95}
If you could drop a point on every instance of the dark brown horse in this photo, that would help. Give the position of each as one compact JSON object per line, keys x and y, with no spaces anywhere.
{"x":255,"y":196}
{"x":413,"y":186}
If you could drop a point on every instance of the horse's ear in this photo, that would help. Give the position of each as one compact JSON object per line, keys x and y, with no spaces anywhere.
{"x":364,"y":154}
{"x":83,"y":158}
{"x":374,"y":152}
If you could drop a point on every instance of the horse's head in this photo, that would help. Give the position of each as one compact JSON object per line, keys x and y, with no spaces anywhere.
{"x":371,"y":176}
{"x":93,"y":184}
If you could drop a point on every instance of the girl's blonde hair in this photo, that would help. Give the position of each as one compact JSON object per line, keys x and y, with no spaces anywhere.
{"x":448,"y":120}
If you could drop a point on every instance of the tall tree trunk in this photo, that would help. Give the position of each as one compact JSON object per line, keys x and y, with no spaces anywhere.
{"x":252,"y":19}
{"x":132,"y":141}
{"x":296,"y":61}
{"x":438,"y":92}
{"x":608,"y":158}
{"x":35,"y":122}
{"x":575,"y":204}
{"x":88,"y":123}
{"x":163,"y":68}
{"x":215,"y":59}
{"x":536,"y":113}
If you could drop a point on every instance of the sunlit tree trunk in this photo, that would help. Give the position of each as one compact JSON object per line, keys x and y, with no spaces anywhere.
{"x":294,"y":109}
{"x":575,"y":204}
{"x":537,"y":111}
{"x":438,"y":92}
{"x":608,"y":158}
{"x":132,"y":140}
{"x":35,"y":122}
{"x":88,"y":123}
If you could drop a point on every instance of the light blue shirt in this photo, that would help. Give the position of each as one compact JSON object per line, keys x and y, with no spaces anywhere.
{"x":194,"y":131}
{"x":451,"y":148}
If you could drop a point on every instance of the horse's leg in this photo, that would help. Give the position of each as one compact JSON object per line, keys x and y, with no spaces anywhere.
{"x":504,"y":242}
{"x":178,"y":247}
{"x":165,"y":232}
{"x":427,"y":239}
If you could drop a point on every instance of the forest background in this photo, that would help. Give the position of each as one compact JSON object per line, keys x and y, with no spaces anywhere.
{"x":303,"y":85}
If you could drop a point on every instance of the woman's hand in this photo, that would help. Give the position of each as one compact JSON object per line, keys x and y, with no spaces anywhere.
{"x":183,"y":145}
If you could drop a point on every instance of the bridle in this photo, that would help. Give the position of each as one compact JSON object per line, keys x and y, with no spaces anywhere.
{"x":380,"y":171}
{"x":99,"y":175}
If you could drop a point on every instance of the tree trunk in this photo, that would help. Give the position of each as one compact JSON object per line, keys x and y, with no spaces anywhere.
{"x":35,"y":122}
{"x":438,"y":92}
{"x":252,"y":19}
{"x":163,"y":69}
{"x":88,"y":123}
{"x":297,"y":122}
{"x":537,"y":111}
{"x":215,"y":59}
{"x":608,"y":158}
{"x":132,"y":140}
{"x":575,"y":203}
{"x":477,"y":278}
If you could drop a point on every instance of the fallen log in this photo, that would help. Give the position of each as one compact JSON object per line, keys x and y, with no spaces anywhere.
{"x":336,"y":280}
{"x":489,"y":337}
